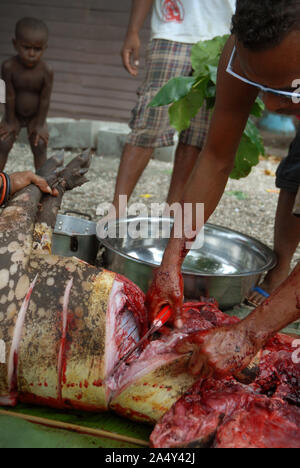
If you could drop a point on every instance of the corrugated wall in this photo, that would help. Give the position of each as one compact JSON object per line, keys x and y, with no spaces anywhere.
{"x":86,"y":37}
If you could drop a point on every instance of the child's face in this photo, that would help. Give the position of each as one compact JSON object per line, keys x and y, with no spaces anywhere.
{"x":30,"y":49}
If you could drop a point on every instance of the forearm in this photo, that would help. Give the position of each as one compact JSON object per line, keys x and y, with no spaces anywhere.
{"x":281,"y":309}
{"x":43,"y":112}
{"x":45,"y":98}
{"x":10,"y":110}
{"x":206,"y":189}
{"x":138,"y":15}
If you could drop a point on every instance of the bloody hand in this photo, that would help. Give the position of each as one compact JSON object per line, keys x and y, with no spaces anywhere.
{"x":166,"y":288}
{"x":222,"y":351}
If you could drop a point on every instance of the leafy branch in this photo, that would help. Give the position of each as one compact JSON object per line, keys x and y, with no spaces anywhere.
{"x":186,"y":95}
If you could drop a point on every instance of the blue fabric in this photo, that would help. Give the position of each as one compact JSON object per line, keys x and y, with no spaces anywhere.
{"x":261,"y":291}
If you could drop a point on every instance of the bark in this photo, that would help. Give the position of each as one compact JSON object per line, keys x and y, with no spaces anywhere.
{"x":70,"y":177}
{"x":16,"y":230}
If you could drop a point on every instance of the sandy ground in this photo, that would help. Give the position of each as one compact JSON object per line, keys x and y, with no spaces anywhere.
{"x":248,"y":205}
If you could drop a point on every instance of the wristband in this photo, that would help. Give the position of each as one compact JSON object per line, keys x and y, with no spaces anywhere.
{"x":8,"y":188}
{"x":4,"y":188}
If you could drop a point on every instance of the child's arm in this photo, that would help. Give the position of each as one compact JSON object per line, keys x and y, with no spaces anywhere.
{"x":9,"y":126}
{"x":38,"y":127}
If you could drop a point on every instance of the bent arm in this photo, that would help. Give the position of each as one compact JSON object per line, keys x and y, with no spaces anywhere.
{"x":131,"y":48}
{"x":229,"y":350}
{"x":233,"y":105}
{"x":45,"y":97}
{"x":207,"y":184}
{"x":277,"y":312}
{"x":138,"y":15}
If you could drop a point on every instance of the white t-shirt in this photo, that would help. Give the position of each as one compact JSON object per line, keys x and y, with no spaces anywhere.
{"x":191,"y":21}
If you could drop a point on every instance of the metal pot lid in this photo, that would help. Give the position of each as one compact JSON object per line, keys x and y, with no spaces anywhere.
{"x":224,"y":253}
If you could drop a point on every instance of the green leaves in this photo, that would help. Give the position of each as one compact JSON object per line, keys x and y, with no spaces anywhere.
{"x":207,"y":53}
{"x":188,"y":94}
{"x":182,"y":112}
{"x":173,"y":91}
{"x":258,"y":108}
{"x":251,"y":147}
{"x":247,"y":157}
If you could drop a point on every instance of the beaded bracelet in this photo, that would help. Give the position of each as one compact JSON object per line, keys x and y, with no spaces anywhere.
{"x":6,"y":189}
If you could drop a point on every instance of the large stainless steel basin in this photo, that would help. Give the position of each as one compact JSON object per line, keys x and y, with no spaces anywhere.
{"x":227,"y":266}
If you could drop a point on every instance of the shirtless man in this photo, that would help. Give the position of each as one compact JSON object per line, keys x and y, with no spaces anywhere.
{"x":29,"y":83}
{"x":261,"y":56}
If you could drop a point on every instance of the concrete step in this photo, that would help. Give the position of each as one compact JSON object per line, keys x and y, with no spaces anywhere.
{"x":107,"y":138}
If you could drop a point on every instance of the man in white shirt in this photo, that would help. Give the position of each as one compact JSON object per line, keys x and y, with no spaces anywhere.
{"x":176,"y":26}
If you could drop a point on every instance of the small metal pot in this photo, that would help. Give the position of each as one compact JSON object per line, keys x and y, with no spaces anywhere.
{"x":227,"y":266}
{"x":75,"y":237}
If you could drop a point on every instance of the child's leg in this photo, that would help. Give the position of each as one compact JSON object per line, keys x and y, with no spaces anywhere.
{"x":7,"y":143}
{"x":39,"y":151}
{"x":5,"y":148}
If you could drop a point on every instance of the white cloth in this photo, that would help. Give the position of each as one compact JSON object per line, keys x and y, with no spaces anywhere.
{"x":191,"y":21}
{"x":2,"y":92}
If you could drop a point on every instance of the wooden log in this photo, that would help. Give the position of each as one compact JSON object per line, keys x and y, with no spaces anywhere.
{"x":16,"y":228}
{"x":70,"y":177}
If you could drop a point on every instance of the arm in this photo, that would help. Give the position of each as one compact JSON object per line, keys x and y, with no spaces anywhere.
{"x":38,"y":127}
{"x":229,"y":350}
{"x":132,"y":43}
{"x":9,"y":126}
{"x":20,"y":180}
{"x":233,"y":105}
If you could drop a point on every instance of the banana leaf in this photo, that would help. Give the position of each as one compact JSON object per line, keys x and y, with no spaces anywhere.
{"x":15,"y":433}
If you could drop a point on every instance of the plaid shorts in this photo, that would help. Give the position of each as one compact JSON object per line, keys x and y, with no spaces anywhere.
{"x":151,"y":126}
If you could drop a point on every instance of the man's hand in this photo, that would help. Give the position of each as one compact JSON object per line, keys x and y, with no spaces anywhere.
{"x":167,"y":288}
{"x":20,"y":180}
{"x":131,"y":53}
{"x":38,"y":133}
{"x":222,"y":351}
{"x":7,"y":130}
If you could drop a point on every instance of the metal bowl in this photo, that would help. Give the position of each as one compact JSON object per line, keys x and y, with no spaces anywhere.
{"x":227,"y":266}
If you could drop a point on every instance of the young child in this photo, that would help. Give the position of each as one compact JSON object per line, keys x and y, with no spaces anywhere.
{"x":29,"y":83}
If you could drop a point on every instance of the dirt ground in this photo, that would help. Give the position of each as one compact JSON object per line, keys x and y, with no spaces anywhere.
{"x":248,"y":205}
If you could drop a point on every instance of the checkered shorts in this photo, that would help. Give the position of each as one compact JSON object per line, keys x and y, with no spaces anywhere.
{"x":151,"y":126}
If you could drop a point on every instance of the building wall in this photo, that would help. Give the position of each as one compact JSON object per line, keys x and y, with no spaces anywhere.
{"x":86,"y":37}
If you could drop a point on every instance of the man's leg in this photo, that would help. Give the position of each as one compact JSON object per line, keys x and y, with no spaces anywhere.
{"x":133,"y":163}
{"x":185,"y":161}
{"x":287,"y":238}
